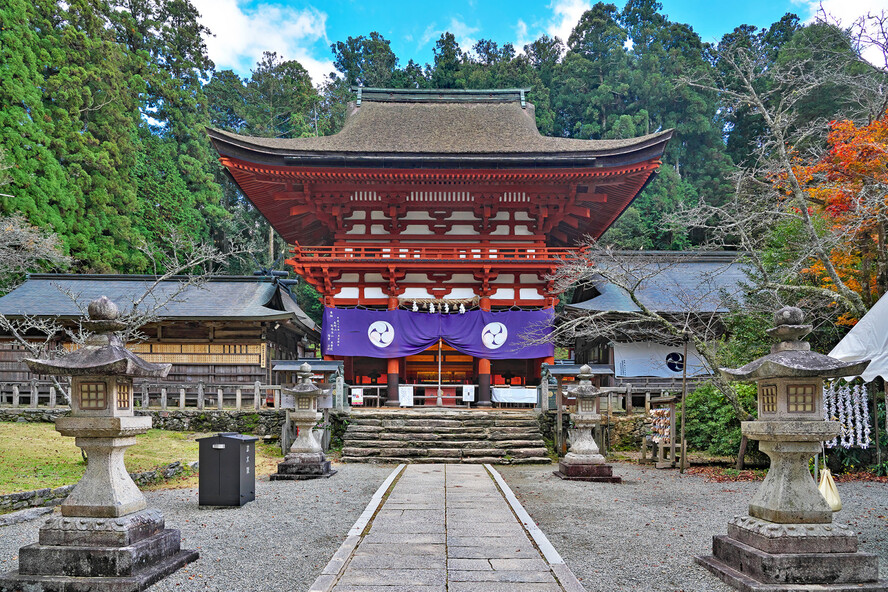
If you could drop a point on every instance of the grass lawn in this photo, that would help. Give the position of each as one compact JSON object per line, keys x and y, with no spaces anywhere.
{"x":34,"y":456}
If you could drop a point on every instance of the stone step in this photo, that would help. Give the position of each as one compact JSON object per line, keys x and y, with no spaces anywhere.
{"x":491,"y":452}
{"x":499,"y":433}
{"x":529,"y":443}
{"x":443,"y":435}
{"x":527,"y":452}
{"x":424,"y":444}
{"x":442,"y":460}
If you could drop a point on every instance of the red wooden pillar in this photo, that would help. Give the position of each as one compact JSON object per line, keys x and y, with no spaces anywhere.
{"x":484,"y":367}
{"x":392,"y":368}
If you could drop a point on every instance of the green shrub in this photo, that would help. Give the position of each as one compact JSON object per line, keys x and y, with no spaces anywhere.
{"x":712,"y":425}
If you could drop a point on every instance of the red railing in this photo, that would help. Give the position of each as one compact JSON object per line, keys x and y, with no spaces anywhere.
{"x":434,"y":253}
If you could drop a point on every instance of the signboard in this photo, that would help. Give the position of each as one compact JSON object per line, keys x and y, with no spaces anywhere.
{"x":357,"y":396}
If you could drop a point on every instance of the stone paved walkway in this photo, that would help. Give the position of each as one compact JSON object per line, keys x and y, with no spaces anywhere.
{"x":453,"y":528}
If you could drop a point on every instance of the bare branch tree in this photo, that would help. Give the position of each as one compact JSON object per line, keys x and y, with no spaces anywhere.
{"x":179,"y":264}
{"x":25,"y":248}
{"x":692,"y":310}
{"x":770,"y":202}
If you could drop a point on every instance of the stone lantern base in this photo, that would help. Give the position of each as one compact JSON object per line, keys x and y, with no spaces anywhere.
{"x":303,"y":465}
{"x":125,"y":554}
{"x":760,"y":555}
{"x":600,"y":473}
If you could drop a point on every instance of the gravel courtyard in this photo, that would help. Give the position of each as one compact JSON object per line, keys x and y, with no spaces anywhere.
{"x":640,"y":535}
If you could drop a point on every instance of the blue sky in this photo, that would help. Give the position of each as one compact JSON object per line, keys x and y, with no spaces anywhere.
{"x":304,"y":29}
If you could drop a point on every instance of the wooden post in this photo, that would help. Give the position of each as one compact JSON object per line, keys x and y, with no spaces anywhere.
{"x":647,"y":403}
{"x":163,"y":398}
{"x":219,"y":401}
{"x":181,"y":397}
{"x":238,"y":399}
{"x":200,"y":394}
{"x":146,"y":398}
{"x":257,"y":402}
{"x":52,"y":397}
{"x":684,"y":394}
{"x":34,"y":394}
{"x":610,"y":419}
{"x":628,"y":399}
{"x":15,"y":396}
{"x":672,"y":432}
{"x":559,"y":436}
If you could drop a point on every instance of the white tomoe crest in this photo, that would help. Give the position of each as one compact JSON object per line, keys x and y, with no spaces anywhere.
{"x":381,"y":333}
{"x":494,"y":335}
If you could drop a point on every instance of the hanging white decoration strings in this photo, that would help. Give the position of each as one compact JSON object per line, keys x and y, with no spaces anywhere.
{"x":847,"y":404}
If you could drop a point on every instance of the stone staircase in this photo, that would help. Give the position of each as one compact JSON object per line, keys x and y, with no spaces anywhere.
{"x":444,"y":436}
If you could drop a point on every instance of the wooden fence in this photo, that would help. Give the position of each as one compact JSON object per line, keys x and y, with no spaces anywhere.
{"x":42,"y":394}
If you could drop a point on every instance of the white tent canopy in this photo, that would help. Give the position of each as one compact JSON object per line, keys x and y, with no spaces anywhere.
{"x":868,"y":340}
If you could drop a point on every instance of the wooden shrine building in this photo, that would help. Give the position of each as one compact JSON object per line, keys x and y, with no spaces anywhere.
{"x":227,"y":330}
{"x":430,"y":224}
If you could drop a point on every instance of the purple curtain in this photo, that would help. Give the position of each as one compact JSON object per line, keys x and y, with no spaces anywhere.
{"x":398,"y":333}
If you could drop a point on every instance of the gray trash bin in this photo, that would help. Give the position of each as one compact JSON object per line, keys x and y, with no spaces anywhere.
{"x":227,"y":470}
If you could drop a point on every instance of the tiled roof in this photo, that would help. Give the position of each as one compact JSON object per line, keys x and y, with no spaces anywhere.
{"x":678,"y":283}
{"x":221,"y":298}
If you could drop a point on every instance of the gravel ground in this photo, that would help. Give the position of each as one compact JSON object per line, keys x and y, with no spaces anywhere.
{"x":644,"y":533}
{"x":641,"y":535}
{"x":279,"y":542}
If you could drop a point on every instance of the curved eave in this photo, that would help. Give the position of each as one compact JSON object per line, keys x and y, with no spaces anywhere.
{"x":794,"y":364}
{"x":252,"y":150}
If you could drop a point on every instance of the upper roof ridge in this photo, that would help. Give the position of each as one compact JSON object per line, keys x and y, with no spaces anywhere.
{"x":440,"y":95}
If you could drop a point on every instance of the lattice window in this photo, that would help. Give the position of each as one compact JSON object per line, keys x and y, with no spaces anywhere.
{"x":123,"y":395}
{"x":769,"y":399}
{"x":800,"y":398}
{"x":92,"y":395}
{"x":304,"y":403}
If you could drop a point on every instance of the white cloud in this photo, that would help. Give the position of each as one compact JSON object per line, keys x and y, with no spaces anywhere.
{"x":464,"y":34}
{"x":241,"y":35}
{"x":567,"y":14}
{"x":522,"y":36}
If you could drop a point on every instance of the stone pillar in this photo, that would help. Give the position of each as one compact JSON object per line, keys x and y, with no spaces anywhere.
{"x":15,"y":395}
{"x":163,"y":398}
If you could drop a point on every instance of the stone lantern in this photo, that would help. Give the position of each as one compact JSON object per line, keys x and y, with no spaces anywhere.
{"x":788,"y":541}
{"x":306,"y":459}
{"x":106,"y":538}
{"x":584,"y":461}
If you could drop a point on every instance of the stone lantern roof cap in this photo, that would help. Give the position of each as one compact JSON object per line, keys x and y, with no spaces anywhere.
{"x":791,"y":357}
{"x":305,"y":386}
{"x":104,"y":354}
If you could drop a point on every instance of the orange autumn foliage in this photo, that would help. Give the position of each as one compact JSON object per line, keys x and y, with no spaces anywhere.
{"x":856,"y":165}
